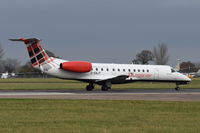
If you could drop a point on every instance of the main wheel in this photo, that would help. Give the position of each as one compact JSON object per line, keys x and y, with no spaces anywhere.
{"x":104,"y":88}
{"x":177,"y":88}
{"x":89,"y":87}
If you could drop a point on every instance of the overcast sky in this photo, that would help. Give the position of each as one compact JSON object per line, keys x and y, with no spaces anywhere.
{"x":102,"y":30}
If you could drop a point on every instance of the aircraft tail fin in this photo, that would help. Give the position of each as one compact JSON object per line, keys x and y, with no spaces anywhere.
{"x":36,"y":53}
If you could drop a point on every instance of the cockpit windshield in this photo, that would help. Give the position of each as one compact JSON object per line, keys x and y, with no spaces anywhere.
{"x":172,"y":70}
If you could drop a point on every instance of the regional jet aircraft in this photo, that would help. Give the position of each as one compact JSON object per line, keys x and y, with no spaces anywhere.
{"x":99,"y":73}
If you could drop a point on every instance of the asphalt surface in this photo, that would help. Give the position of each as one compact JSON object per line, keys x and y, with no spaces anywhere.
{"x":133,"y":94}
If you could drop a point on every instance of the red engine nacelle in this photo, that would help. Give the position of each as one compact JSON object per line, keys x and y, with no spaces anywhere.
{"x":76,"y":66}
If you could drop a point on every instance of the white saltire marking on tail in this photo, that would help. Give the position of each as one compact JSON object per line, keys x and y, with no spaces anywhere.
{"x":36,"y":53}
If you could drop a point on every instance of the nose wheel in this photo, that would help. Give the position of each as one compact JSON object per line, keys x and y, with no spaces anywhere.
{"x":177,"y":87}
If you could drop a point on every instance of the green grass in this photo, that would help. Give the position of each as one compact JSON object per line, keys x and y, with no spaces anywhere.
{"x":96,"y":116}
{"x":37,"y":84}
{"x":52,"y":83}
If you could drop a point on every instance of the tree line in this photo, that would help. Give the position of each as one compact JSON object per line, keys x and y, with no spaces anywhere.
{"x":12,"y":65}
{"x":159,"y":56}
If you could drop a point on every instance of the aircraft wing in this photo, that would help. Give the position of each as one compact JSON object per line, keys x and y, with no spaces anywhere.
{"x":116,"y":79}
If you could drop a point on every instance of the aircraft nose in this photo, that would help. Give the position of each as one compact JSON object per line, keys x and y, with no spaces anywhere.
{"x":187,"y":78}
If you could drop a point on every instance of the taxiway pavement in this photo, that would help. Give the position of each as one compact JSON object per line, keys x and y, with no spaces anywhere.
{"x":132,"y":94}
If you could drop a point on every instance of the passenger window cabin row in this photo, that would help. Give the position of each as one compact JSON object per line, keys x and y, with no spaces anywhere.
{"x":122,"y":70}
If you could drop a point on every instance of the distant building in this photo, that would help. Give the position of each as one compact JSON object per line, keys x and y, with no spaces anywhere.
{"x":5,"y":75}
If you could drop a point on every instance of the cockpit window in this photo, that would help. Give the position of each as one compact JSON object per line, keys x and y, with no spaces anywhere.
{"x":172,"y":70}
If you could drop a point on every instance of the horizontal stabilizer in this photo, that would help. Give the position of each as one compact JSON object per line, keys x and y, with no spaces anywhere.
{"x":26,"y":41}
{"x":17,"y":39}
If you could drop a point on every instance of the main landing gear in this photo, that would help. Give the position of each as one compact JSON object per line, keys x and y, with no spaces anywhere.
{"x":90,"y":87}
{"x":105,"y":87}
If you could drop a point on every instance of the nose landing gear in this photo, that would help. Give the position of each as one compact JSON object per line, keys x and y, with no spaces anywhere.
{"x":179,"y":83}
{"x":177,"y":87}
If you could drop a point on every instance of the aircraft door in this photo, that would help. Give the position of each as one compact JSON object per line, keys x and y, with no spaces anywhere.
{"x":156,"y":74}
